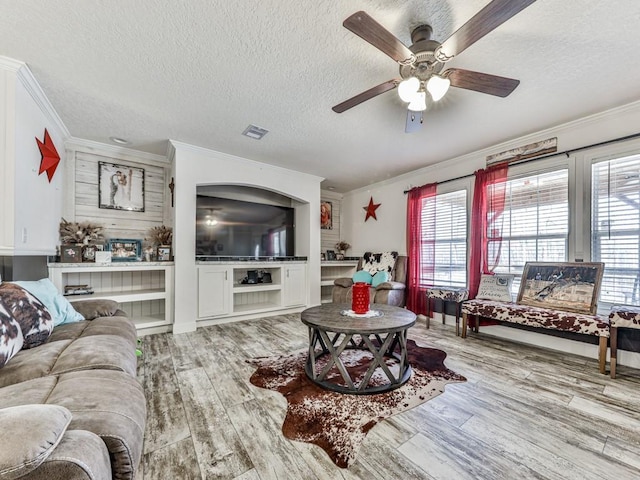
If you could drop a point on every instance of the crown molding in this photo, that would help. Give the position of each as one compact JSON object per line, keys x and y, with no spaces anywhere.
{"x":31,"y":85}
{"x":11,"y":64}
{"x":91,"y":146}
{"x":176,"y":145}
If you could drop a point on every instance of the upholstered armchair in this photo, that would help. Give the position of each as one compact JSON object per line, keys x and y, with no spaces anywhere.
{"x":389,"y":292}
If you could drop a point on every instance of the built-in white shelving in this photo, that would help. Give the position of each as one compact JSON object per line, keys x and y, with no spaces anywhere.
{"x":224,"y":290}
{"x":330,"y":271}
{"x":143,"y":289}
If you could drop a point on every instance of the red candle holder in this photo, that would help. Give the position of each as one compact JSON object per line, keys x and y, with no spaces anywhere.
{"x":360,"y":297}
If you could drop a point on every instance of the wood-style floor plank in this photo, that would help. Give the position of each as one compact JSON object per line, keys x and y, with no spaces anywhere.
{"x":176,"y":461}
{"x":525,"y":412}
{"x":166,"y":419}
{"x":217,"y":444}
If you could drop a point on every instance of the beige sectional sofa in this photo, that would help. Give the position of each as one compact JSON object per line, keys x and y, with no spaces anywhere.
{"x":71,"y":408}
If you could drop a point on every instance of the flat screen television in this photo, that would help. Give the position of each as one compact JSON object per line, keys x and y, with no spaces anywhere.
{"x":237,"y":228}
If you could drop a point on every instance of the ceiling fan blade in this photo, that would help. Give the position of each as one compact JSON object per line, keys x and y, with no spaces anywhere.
{"x":481,"y":82}
{"x":366,"y":95}
{"x":490,"y":17}
{"x":368,"y":29}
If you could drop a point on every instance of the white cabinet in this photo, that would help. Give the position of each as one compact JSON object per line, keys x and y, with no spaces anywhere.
{"x":246,"y":289}
{"x":214,"y":291}
{"x":143,"y":289}
{"x":295,"y":285}
{"x":332,"y":270}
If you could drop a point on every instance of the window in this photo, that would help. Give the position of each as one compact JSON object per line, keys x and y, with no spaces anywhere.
{"x":615,"y":227}
{"x":448,"y":237}
{"x":534,"y":225}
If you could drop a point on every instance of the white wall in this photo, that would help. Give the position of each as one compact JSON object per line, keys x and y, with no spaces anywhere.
{"x":32,"y":205}
{"x":389,"y":231}
{"x":197,"y":166}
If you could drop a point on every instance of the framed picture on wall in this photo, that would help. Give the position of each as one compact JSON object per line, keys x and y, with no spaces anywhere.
{"x":121,"y":187}
{"x":326,"y":216}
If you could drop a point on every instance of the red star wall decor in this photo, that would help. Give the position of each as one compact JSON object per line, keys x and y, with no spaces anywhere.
{"x":50,"y":158}
{"x":371,"y":209}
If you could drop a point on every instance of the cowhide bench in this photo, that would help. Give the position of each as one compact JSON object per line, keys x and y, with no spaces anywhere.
{"x":621,"y":317}
{"x":445,"y":295}
{"x":539,"y":317}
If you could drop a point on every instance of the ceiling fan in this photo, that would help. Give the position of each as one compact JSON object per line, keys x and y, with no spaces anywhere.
{"x":421,"y":64}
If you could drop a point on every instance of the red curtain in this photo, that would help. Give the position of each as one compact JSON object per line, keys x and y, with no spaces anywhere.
{"x":486,"y":223}
{"x":420,"y":246}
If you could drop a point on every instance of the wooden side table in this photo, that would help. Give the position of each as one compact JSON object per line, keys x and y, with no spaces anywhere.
{"x":456,"y":295}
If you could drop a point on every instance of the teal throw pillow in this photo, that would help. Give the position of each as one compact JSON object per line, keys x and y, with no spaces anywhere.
{"x":59,"y":307}
{"x":362,"y":276}
{"x":380,"y":277}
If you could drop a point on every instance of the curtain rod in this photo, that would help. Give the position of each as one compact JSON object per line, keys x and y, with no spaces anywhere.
{"x":566,"y":152}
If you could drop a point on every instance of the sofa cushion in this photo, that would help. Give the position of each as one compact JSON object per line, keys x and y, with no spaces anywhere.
{"x":362,"y":276}
{"x":103,"y":307}
{"x":119,"y":326}
{"x":11,"y":339}
{"x":343,"y":282}
{"x":59,"y":307}
{"x":32,"y":363}
{"x":34,"y":318}
{"x":110,"y":404}
{"x":39,"y":429}
{"x":380,"y":278}
{"x":80,"y":455}
{"x":495,"y":287}
{"x":108,"y":344}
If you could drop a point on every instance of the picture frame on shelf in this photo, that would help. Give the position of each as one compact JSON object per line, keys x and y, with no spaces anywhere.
{"x":125,"y":250}
{"x":331,"y":255}
{"x":89,"y":253}
{"x":121,"y":187}
{"x":71,"y":253}
{"x":164,"y":253}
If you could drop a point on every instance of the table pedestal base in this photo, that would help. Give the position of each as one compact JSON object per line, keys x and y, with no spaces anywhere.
{"x":329,"y":351}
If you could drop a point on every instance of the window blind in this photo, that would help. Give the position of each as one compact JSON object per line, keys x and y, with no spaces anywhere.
{"x":534,"y":225}
{"x":447,"y":233}
{"x":615,"y":228}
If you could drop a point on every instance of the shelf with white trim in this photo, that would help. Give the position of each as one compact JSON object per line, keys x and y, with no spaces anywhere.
{"x":332,"y":270}
{"x":144,"y":290}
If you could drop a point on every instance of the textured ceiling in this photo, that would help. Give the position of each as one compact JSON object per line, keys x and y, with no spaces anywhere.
{"x":201,"y":71}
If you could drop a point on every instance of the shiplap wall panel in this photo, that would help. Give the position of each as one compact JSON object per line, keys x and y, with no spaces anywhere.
{"x":118,"y":223}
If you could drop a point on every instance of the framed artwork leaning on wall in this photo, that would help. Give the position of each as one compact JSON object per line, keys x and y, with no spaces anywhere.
{"x":572,"y":287}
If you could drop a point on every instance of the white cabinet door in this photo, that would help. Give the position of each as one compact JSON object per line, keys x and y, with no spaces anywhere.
{"x":295,"y":285}
{"x":214,"y":291}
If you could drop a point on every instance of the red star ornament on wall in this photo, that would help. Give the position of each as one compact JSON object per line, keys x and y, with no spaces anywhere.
{"x":50,"y":158}
{"x":371,"y":209}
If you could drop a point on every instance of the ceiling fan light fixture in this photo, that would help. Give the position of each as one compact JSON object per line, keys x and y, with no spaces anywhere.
{"x":408,"y":88}
{"x":438,"y":87}
{"x":419,"y":102}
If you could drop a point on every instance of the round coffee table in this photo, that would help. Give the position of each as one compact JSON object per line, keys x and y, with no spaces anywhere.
{"x":342,"y":347}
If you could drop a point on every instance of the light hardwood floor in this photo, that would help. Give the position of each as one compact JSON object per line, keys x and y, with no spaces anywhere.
{"x":524,"y":412}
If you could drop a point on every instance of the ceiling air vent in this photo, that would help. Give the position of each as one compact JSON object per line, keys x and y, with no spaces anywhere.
{"x":255,"y":132}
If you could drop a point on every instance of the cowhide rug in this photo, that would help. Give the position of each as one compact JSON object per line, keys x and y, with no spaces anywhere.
{"x":337,"y":422}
